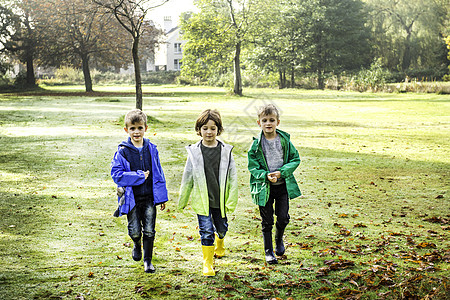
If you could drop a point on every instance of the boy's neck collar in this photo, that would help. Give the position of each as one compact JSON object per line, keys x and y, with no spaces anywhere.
{"x":270,"y":137}
{"x":137,"y":146}
{"x":210,"y":146}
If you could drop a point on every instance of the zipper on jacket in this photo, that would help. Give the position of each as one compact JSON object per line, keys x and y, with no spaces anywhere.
{"x":267,"y":168}
{"x":226,"y":178}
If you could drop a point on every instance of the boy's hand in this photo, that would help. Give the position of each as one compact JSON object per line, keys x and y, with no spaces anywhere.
{"x":146,"y":173}
{"x":277,"y":174}
{"x":272,"y":178}
{"x":163,"y":206}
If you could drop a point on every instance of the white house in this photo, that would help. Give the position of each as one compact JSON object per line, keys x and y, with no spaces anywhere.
{"x":169,"y":54}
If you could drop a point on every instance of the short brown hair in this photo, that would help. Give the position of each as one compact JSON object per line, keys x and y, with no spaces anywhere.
{"x":268,"y":109}
{"x":209,"y":114}
{"x":135,"y":116}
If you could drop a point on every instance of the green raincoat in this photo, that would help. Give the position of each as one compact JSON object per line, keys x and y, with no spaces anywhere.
{"x":194,"y":181}
{"x":257,"y":165}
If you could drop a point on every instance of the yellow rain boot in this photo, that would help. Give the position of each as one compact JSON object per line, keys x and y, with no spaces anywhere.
{"x":220,"y":250}
{"x":208,"y":261}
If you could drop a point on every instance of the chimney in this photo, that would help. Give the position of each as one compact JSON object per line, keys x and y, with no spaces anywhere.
{"x":167,"y":23}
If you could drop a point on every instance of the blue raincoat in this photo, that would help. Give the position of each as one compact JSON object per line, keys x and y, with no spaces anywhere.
{"x":124,"y":177}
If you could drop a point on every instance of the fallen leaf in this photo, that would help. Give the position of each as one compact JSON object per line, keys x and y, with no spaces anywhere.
{"x":426,"y":245}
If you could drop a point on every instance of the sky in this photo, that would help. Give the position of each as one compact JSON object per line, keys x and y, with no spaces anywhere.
{"x":173,"y":8}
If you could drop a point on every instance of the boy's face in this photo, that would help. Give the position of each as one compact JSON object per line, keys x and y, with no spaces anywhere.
{"x":209,"y":131}
{"x":268,"y":124}
{"x":136,"y":132}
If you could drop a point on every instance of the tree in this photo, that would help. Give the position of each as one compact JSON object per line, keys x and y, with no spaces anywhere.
{"x":314,"y":36}
{"x":334,"y":37}
{"x":19,"y":34}
{"x":277,"y":41}
{"x":78,"y":32}
{"x":408,"y":33}
{"x":225,"y":25}
{"x":209,"y":48}
{"x":131,"y":15}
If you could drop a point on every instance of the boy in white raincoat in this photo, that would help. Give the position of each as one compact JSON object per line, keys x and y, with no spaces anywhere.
{"x":210,"y":177}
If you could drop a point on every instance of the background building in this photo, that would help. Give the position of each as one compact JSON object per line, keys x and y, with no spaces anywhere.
{"x":169,"y":54}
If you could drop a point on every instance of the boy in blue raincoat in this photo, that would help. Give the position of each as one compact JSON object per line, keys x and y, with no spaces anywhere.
{"x":137,"y":169}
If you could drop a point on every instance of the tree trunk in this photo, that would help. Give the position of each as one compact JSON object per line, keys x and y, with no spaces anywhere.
{"x":320,"y":82}
{"x":31,"y":79}
{"x":281,"y":84}
{"x":86,"y":73}
{"x":292,"y":78}
{"x":406,"y":62}
{"x":137,"y":73}
{"x":29,"y":52}
{"x":237,"y":70}
{"x":282,"y":79}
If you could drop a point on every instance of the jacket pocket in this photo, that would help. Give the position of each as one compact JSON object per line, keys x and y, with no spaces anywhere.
{"x":292,"y":187}
{"x":257,"y":188}
{"x":258,"y":191}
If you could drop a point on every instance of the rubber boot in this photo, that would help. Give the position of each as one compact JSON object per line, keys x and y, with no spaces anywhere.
{"x":148,"y":253}
{"x":268,"y":248}
{"x":279,"y":244}
{"x":137,"y":252}
{"x":220,"y":249}
{"x":208,"y":261}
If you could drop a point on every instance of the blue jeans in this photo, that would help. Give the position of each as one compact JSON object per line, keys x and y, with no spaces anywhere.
{"x":141,"y":220}
{"x":210,"y":224}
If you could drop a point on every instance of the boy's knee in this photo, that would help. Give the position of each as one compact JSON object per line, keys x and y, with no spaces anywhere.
{"x":282,"y":223}
{"x":149,"y":234}
{"x":207,"y":238}
{"x":221,"y":235}
{"x":266,"y":227}
{"x":134,"y":236}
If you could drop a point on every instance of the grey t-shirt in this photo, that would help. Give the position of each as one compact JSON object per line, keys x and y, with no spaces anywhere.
{"x":273,"y":152}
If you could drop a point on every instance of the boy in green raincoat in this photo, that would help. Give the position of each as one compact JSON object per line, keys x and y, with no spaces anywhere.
{"x":272,"y":160}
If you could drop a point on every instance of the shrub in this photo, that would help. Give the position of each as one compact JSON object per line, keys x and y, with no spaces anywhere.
{"x":4,"y":78}
{"x":163,"y":77}
{"x":415,"y":86}
{"x":69,"y":75}
{"x":21,"y":79}
{"x":373,"y":79}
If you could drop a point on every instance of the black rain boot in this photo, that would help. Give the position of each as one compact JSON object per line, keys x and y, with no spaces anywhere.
{"x":279,"y":244}
{"x":148,"y":253}
{"x":268,"y":248}
{"x":137,"y":252}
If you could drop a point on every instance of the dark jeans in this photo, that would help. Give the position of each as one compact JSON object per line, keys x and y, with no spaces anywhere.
{"x":210,"y":224}
{"x":279,"y":196}
{"x":141,"y":220}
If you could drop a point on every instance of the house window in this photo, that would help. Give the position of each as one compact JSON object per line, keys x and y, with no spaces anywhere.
{"x":177,"y":64}
{"x":177,"y":47}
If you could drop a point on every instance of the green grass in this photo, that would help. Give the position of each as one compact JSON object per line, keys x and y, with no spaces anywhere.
{"x":374,"y":174}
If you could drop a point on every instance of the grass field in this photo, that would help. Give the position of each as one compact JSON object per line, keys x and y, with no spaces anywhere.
{"x":373,"y":221}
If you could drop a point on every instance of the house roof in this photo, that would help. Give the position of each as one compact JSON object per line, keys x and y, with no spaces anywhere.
{"x":172,"y":30}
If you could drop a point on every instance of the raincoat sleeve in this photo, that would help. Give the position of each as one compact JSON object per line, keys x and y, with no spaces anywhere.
{"x":292,"y":163}
{"x":232,"y":187}
{"x":122,"y":176}
{"x":187,"y":184}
